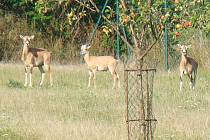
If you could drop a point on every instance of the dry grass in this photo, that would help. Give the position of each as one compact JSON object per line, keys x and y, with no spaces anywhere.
{"x":69,"y":110}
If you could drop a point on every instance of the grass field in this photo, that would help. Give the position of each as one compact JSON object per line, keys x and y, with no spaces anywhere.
{"x":70,"y":111}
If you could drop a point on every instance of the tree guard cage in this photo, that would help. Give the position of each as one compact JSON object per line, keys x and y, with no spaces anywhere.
{"x":140,"y":119}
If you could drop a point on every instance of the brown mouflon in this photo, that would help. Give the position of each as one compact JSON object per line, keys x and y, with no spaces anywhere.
{"x":187,"y":66}
{"x":35,"y":57}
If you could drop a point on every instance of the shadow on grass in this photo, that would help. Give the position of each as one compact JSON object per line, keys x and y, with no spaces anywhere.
{"x":14,"y":84}
{"x":9,"y":134}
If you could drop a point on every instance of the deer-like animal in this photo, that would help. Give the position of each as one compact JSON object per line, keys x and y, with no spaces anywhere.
{"x":187,"y":66}
{"x":35,"y":57}
{"x":100,"y":63}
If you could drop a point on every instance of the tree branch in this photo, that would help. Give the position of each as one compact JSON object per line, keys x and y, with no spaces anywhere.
{"x":114,"y":27}
{"x":131,"y":27}
{"x":83,"y":4}
{"x":150,"y":47}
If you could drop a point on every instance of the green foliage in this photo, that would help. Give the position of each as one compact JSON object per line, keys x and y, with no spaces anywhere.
{"x":73,"y":22}
{"x":60,"y":16}
{"x":57,"y":18}
{"x":177,"y":16}
{"x":184,"y":15}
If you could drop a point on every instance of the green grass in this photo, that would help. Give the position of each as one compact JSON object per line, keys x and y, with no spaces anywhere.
{"x":186,"y":115}
{"x":70,"y":111}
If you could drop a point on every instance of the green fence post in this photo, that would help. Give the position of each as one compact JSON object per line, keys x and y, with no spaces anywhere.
{"x":99,"y":19}
{"x":118,"y":38}
{"x":166,"y":38}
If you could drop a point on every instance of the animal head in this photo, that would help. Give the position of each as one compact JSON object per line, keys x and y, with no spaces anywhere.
{"x":84,"y":49}
{"x":26,"y":39}
{"x":183,"y":49}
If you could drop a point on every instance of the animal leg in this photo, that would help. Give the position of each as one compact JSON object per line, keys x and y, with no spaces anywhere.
{"x":48,"y":69}
{"x":26,"y":76}
{"x":194,"y":80}
{"x":114,"y":79}
{"x":115,"y":76}
{"x":43,"y":75}
{"x":90,"y":77}
{"x":191,"y":81}
{"x":30,"y":76}
{"x":50,"y":76}
{"x":94,"y":78}
{"x":181,"y":81}
{"x":118,"y":80}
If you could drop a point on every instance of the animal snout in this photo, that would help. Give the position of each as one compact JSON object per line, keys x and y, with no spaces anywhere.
{"x":82,"y":53}
{"x":184,"y":52}
{"x":27,"y":42}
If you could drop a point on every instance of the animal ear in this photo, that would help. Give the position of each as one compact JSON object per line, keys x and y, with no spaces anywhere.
{"x":32,"y":37}
{"x":21,"y":36}
{"x":88,"y":47}
{"x":179,"y":45}
{"x":189,"y":46}
{"x":176,"y":48}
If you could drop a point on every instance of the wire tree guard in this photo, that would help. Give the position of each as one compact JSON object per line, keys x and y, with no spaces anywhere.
{"x":140,"y":118}
{"x":138,"y":80}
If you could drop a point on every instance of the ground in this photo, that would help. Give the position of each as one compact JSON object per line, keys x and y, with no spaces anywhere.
{"x":69,"y":110}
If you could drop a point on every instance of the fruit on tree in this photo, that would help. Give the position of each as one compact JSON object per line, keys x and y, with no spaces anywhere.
{"x":126,"y":19}
{"x":177,"y":34}
{"x":161,"y":27}
{"x":178,"y":26}
{"x":176,"y":1}
{"x":189,"y":24}
{"x":162,"y":17}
